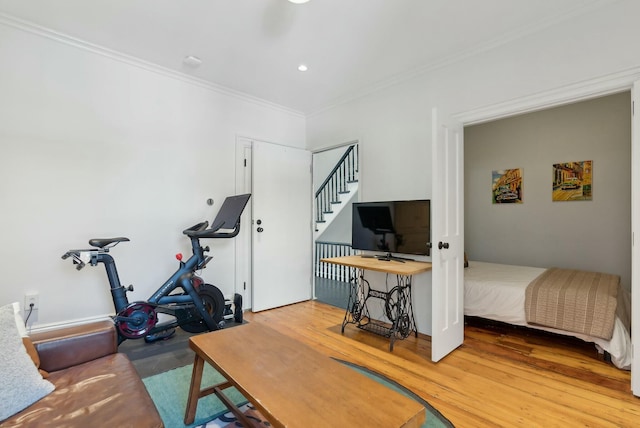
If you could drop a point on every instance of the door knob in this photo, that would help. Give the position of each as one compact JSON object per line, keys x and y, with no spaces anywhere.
{"x":442,"y":245}
{"x":259,"y":229}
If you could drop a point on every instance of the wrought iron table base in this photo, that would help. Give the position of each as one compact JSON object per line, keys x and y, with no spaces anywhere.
{"x":399,"y":321}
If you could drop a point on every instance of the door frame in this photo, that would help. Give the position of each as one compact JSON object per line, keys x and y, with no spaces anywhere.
{"x":243,"y":262}
{"x":626,"y":80}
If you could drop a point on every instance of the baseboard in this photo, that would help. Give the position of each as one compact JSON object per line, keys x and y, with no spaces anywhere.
{"x":69,"y":323}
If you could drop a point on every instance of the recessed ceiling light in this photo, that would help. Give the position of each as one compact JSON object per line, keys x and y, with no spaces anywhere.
{"x":298,"y":1}
{"x":302,"y":67}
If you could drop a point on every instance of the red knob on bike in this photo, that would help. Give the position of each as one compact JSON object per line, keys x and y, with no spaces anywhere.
{"x":179,"y":256}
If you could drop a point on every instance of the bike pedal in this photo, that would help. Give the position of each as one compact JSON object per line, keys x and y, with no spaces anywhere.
{"x":165,"y":335}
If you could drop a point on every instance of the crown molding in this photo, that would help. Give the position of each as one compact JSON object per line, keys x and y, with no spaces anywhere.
{"x":38,"y":30}
{"x":567,"y":94}
{"x":466,"y":54}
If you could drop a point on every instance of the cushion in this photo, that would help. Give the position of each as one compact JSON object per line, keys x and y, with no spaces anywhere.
{"x":33,"y":353}
{"x":21,"y":384}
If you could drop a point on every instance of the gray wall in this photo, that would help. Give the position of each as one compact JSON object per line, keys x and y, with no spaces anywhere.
{"x":590,"y":235}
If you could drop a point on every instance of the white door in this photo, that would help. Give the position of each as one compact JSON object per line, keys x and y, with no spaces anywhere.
{"x":635,"y":224}
{"x":447,"y":242}
{"x":281,"y":234}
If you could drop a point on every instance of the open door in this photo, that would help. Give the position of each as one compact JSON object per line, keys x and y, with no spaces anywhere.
{"x":447,"y":242}
{"x":282,"y":218}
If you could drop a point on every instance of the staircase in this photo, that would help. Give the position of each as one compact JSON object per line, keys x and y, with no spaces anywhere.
{"x":337,"y":190}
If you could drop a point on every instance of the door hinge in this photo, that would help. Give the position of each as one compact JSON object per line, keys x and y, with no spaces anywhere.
{"x":245,"y":163}
{"x":244,"y":285}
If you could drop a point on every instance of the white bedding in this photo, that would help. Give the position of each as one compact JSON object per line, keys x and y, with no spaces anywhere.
{"x":497,"y":292}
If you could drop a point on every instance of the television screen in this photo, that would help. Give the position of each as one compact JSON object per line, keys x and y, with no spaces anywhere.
{"x":392,"y":227}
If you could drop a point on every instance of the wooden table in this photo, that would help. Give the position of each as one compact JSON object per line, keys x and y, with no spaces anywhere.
{"x":398,"y":320}
{"x":293,"y":385}
{"x":406,"y":267}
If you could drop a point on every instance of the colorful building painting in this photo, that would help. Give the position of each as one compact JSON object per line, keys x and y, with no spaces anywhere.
{"x":507,"y":186}
{"x":572,"y":181}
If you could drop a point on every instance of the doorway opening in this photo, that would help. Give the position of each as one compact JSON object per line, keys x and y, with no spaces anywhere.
{"x":335,"y":184}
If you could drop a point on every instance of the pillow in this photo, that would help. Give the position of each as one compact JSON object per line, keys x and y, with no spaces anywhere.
{"x":19,"y":321}
{"x":26,"y":341}
{"x":21,"y":384}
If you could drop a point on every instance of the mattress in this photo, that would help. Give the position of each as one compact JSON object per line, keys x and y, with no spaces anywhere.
{"x":497,"y":292}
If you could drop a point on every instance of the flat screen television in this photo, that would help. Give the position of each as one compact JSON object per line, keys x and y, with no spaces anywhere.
{"x":401,"y":227}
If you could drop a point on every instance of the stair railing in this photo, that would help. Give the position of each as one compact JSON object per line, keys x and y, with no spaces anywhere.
{"x":336,"y":183}
{"x":330,"y":270}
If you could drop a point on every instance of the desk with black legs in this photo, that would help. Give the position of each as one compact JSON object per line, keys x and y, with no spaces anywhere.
{"x":293,"y":385}
{"x":398,"y":308}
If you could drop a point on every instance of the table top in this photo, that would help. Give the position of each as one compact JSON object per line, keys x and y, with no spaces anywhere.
{"x":409,"y":267}
{"x":295,"y":386}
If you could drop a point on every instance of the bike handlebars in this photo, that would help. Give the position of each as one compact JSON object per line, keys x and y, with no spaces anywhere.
{"x":228,"y":215}
{"x":212,"y":232}
{"x":78,"y":258}
{"x":196,"y":228}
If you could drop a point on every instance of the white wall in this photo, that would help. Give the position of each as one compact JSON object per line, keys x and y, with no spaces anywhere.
{"x":393,"y":125}
{"x":93,"y":145}
{"x":96,"y":145}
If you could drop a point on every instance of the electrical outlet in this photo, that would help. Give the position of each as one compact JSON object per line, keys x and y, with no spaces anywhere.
{"x":31,"y":299}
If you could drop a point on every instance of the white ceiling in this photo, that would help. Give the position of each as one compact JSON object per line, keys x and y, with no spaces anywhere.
{"x":254,"y":46}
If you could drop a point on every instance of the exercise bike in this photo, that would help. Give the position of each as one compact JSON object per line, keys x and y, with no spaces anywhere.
{"x":194,"y":305}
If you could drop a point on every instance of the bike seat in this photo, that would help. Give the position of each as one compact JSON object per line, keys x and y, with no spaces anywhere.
{"x":101,"y":243}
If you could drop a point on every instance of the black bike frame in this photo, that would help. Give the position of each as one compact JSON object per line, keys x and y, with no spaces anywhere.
{"x":179,"y":305}
{"x":181,"y":278}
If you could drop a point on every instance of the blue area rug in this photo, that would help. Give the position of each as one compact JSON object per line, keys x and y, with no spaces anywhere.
{"x":169,"y":391}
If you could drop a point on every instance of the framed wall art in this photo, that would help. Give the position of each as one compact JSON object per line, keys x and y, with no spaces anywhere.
{"x":572,"y":181}
{"x":507,"y":186}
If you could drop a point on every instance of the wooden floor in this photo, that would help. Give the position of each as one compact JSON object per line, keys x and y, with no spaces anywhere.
{"x":498,"y":377}
{"x":157,"y":357}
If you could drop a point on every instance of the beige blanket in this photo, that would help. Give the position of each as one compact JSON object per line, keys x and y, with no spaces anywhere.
{"x":572,"y":300}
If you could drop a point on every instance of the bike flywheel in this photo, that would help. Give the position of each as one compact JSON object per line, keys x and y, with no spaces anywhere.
{"x":136,"y":320}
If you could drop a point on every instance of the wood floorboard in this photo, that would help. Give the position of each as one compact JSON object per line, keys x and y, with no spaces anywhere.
{"x":163,"y":355}
{"x":498,"y":377}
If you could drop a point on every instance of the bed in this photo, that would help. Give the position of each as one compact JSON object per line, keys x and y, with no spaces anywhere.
{"x":499,"y":292}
